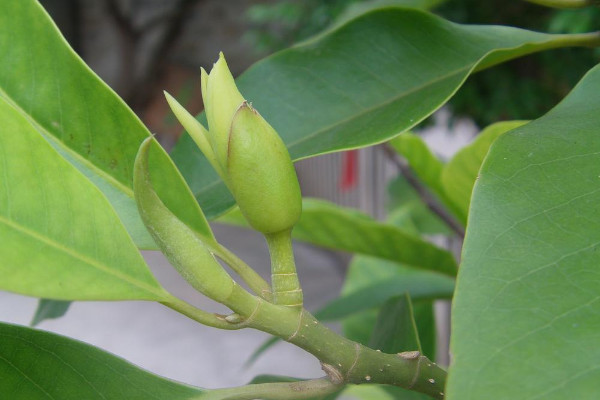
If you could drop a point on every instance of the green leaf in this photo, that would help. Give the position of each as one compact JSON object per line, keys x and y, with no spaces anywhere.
{"x":419,"y":284}
{"x":459,"y":175}
{"x":325,"y":224}
{"x":396,"y":329}
{"x":408,"y":212}
{"x":357,"y":9}
{"x":81,"y":117}
{"x":425,"y":164}
{"x":364,"y":83}
{"x":525,"y":315}
{"x":49,"y":309}
{"x":40,"y":365}
{"x":61,"y":239}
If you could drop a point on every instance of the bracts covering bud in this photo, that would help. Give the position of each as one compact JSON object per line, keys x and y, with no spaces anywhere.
{"x":246,"y":151}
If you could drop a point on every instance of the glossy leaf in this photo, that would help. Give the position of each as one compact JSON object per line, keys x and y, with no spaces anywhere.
{"x":396,"y":280}
{"x":84,"y":120}
{"x":325,"y":224}
{"x":363,"y":83}
{"x":60,"y":237}
{"x":459,"y":175}
{"x":525,"y":315}
{"x":49,"y":309}
{"x":40,"y":365}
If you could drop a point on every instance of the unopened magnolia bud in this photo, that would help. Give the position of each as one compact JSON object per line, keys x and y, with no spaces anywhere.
{"x":261,"y":174}
{"x":246,"y":151}
{"x":221,"y":100}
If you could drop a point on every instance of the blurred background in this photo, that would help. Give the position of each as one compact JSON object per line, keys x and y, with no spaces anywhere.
{"x":142,"y":47}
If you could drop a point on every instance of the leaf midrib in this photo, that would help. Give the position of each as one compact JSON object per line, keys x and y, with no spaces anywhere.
{"x":384,"y":104}
{"x":79,"y":256}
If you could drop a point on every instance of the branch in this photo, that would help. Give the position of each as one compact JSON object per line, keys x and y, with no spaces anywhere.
{"x":144,"y":87}
{"x":124,"y":24}
{"x":275,"y":391}
{"x":426,"y":196}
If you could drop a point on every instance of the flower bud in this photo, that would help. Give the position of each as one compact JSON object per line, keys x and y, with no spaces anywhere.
{"x":221,"y":100}
{"x":246,"y":151}
{"x":261,"y":174}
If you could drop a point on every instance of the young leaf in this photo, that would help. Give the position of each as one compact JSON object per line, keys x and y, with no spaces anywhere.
{"x":38,"y":365}
{"x":364,"y":83}
{"x":81,"y":117}
{"x":61,"y":239}
{"x":525,"y":314}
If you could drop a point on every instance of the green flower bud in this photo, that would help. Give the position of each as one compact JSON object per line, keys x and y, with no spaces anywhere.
{"x":246,"y":151}
{"x":221,"y":100}
{"x":261,"y":174}
{"x":184,"y":248}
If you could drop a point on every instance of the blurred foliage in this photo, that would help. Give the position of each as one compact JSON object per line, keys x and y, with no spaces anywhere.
{"x":281,"y":24}
{"x":521,"y":89}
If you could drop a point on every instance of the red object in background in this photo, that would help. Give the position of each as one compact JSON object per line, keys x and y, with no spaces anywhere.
{"x":349,"y":178}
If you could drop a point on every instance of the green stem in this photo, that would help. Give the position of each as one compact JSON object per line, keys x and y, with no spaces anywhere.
{"x":343,"y":360}
{"x":254,"y":281}
{"x":564,"y":3}
{"x":275,"y":391}
{"x":346,"y":361}
{"x":205,"y":318}
{"x":286,"y":287}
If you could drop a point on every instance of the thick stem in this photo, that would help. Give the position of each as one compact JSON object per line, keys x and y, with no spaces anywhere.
{"x":254,"y":281}
{"x":343,"y":360}
{"x":286,"y":287}
{"x":346,"y":361}
{"x":275,"y":391}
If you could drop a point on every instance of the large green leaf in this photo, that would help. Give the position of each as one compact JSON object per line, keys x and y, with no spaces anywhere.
{"x":526,"y":311}
{"x":50,"y":86}
{"x":40,"y":365}
{"x":60,"y":237}
{"x":459,"y":175}
{"x":363,"y":83}
{"x":325,"y":224}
